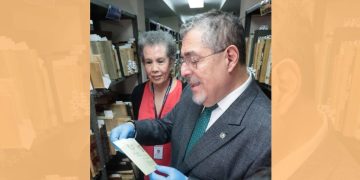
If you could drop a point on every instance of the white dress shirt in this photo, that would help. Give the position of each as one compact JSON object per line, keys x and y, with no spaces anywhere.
{"x":225,"y":103}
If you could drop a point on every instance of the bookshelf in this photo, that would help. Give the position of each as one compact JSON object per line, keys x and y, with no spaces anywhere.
{"x":119,"y":29}
{"x":152,"y":25}
{"x":258,"y":47}
{"x":257,"y":35}
{"x":120,"y":46}
{"x":256,"y":16}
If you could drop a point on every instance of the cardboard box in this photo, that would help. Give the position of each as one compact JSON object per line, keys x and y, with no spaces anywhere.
{"x":119,"y":109}
{"x":96,"y":73}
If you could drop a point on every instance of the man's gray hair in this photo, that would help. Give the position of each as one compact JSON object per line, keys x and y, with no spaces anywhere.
{"x":151,"y":38}
{"x":220,"y":30}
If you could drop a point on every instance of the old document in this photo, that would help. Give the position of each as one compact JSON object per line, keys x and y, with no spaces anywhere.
{"x":136,"y":153}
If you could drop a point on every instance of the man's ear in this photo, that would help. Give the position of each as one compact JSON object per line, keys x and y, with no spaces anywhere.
{"x":286,"y":84}
{"x":232,"y":57}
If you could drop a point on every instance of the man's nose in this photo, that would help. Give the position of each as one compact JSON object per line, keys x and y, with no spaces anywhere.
{"x":185,"y":70}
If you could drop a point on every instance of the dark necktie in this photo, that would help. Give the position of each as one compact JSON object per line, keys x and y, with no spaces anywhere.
{"x":200,"y":127}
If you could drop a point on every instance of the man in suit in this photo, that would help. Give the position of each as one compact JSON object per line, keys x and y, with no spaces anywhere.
{"x":221,"y":127}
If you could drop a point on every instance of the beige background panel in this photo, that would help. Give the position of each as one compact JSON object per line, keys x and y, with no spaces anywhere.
{"x":44,"y":89}
{"x":316,"y":100}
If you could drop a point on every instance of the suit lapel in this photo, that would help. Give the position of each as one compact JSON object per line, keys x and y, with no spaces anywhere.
{"x":187,"y":128}
{"x":223,"y":130}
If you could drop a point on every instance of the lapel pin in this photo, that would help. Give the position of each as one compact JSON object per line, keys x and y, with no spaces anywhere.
{"x":222,"y":135}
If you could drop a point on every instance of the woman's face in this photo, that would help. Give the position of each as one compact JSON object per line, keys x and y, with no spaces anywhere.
{"x":157,"y":63}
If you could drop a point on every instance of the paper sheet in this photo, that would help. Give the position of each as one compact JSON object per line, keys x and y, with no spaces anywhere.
{"x":137,"y":154}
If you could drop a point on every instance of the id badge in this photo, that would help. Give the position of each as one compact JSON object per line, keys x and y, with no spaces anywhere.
{"x":158,"y":152}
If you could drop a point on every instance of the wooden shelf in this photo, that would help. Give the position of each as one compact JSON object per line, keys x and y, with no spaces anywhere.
{"x":99,"y":9}
{"x":101,"y":99}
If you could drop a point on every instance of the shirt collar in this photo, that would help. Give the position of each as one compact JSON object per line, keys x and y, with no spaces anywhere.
{"x":230,"y":98}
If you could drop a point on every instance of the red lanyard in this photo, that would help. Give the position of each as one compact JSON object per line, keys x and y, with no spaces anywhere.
{"x":164,"y":100}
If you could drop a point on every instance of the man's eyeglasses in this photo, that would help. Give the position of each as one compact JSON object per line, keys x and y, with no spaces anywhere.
{"x":192,"y":61}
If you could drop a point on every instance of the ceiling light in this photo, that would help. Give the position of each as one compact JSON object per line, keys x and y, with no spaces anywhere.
{"x":196,"y":3}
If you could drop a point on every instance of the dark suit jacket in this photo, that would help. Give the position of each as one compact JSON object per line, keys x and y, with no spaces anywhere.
{"x":244,"y":150}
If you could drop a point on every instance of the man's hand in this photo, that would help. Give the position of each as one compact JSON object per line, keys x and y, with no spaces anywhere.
{"x":123,"y":131}
{"x":171,"y":173}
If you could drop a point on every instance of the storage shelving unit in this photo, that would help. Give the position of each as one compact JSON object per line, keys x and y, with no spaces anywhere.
{"x":103,"y":14}
{"x":259,"y":13}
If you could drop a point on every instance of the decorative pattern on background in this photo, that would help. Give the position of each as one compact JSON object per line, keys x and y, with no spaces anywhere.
{"x":315,"y":90}
{"x":44,"y":56}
